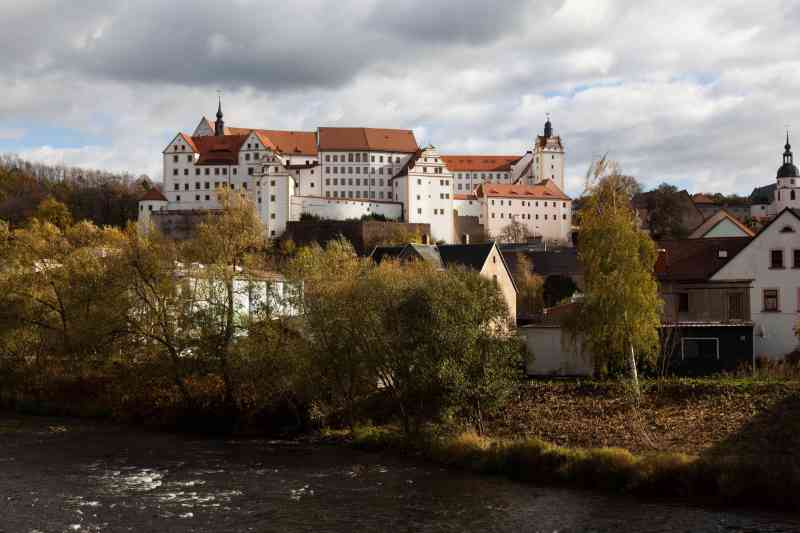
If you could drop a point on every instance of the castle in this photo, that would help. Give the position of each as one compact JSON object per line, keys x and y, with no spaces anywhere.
{"x":342,"y":173}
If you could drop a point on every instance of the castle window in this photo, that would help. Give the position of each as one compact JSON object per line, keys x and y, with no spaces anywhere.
{"x":174,"y":171}
{"x":177,"y":187}
{"x":250,"y":171}
{"x":177,"y":197}
{"x":189,"y":158}
{"x":197,"y":172}
{"x":174,"y":158}
{"x":235,"y":171}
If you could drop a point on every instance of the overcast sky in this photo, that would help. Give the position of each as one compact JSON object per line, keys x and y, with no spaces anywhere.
{"x":693,"y":93}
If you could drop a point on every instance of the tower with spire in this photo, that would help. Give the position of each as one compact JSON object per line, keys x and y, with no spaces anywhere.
{"x":219,"y":125}
{"x":787,"y":193}
{"x":548,"y":156}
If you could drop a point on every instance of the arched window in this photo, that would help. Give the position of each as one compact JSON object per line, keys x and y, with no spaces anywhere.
{"x":791,"y":194}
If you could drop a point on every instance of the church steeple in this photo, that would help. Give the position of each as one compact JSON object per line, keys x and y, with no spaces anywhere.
{"x":787,"y":150}
{"x":219,"y":125}
{"x":787,"y":169}
{"x":548,"y":128}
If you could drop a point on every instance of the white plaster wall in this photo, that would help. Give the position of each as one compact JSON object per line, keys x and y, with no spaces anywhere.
{"x":334,"y":209}
{"x":753,"y":262}
{"x":725,"y":228}
{"x":467,"y":208}
{"x":550,"y":353}
{"x":497,"y":213}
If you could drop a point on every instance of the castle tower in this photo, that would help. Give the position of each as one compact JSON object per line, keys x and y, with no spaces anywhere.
{"x":548,"y":157}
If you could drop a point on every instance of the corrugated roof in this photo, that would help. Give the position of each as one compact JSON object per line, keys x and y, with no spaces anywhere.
{"x":368,"y":139}
{"x":478,"y":163}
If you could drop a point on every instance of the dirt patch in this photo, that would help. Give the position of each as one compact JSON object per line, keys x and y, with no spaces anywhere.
{"x":687,"y":416}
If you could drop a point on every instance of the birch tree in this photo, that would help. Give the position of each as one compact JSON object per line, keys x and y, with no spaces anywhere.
{"x":619,"y":317}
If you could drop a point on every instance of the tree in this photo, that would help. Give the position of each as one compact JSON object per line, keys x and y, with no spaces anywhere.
{"x":664,"y":207}
{"x":52,"y":211}
{"x":529,"y":286}
{"x":195,"y":301}
{"x":620,"y":313}
{"x":335,"y":318}
{"x":514,"y":232}
{"x":59,"y":290}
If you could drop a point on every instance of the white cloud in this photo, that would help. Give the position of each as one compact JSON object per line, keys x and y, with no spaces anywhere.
{"x":685,"y":91}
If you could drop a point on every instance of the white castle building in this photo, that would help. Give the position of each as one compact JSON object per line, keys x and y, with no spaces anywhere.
{"x":344,"y":173}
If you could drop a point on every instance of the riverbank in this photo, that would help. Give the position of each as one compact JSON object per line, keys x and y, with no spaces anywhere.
{"x":765,"y":481}
{"x":720,"y":441}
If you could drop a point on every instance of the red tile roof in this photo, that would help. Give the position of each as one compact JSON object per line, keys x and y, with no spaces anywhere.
{"x":469,"y":196}
{"x":189,"y":141}
{"x":544,"y":190}
{"x":219,"y":150}
{"x":472,"y":163}
{"x":369,"y":139}
{"x":153,"y":195}
{"x":702,"y":199}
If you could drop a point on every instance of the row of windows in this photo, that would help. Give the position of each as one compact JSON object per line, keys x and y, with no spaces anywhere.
{"x":357,"y":181}
{"x":358,"y":158}
{"x":207,"y":185}
{"x":527,"y":216}
{"x":776,"y":259}
{"x":528,"y":203}
{"x":217,"y":171}
{"x":358,"y":170}
{"x":782,"y":195}
{"x":435,"y":211}
{"x":379,"y":195}
{"x":483,"y":175}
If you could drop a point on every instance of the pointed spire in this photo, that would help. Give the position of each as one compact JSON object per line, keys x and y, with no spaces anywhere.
{"x":548,"y":128}
{"x":219,"y":125}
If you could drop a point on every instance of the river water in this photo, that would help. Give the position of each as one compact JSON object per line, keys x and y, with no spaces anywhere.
{"x":69,"y":475}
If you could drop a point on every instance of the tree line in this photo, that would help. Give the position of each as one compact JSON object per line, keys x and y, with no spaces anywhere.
{"x":197,"y":332}
{"x":105,"y":198}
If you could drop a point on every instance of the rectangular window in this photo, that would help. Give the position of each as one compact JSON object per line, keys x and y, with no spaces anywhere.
{"x":207,"y":185}
{"x":771,"y":303}
{"x":250,"y":171}
{"x":796,"y":258}
{"x":235,"y":171}
{"x":776,"y":259}
{"x":197,"y":172}
{"x":700,"y":348}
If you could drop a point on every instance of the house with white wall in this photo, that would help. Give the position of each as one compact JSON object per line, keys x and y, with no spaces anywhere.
{"x":772,"y":261}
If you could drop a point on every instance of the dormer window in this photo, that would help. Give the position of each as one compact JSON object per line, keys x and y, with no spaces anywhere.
{"x":787,"y":229}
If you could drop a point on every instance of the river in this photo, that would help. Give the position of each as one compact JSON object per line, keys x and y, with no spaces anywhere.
{"x":69,"y":475}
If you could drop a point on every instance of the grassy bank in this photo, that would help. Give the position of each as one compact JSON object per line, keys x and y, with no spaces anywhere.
{"x":731,"y":480}
{"x":691,"y":416}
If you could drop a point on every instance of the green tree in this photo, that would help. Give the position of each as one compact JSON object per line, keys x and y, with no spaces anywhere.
{"x":619,"y":316}
{"x":664,"y":207}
